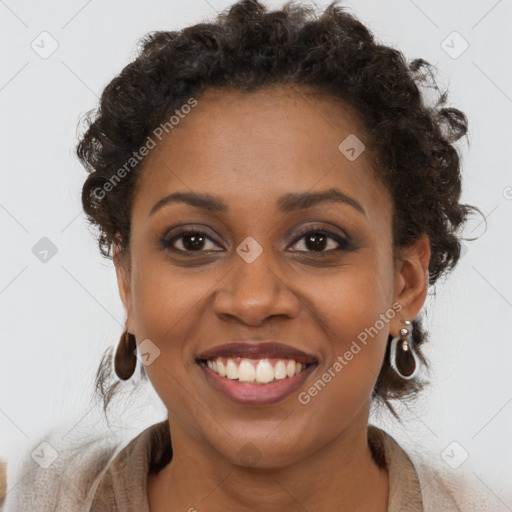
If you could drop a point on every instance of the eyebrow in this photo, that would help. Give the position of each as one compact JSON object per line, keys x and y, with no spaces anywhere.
{"x":286,"y":203}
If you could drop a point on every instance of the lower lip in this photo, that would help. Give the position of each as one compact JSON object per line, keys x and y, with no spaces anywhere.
{"x":256,"y":394}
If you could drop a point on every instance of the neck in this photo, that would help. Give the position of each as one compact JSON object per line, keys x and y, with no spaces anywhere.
{"x":341,"y":476}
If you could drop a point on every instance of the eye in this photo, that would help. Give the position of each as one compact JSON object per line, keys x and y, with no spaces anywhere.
{"x":190,"y":240}
{"x":317,"y":240}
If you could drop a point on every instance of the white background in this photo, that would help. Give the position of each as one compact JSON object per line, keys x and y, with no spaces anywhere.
{"x":56,"y":318}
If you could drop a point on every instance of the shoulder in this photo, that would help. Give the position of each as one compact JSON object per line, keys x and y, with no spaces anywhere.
{"x":59,"y":469}
{"x":423,"y":475}
{"x":447,"y":488}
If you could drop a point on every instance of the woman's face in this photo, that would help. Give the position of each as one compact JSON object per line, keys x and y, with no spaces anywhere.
{"x":269,"y":266}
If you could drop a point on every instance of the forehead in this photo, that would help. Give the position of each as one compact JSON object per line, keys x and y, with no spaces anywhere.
{"x":250,"y":147}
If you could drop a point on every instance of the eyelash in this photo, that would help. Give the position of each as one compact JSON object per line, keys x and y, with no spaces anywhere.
{"x":344,"y":244}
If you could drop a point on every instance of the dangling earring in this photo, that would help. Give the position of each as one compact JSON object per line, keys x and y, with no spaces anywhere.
{"x":125,"y":359}
{"x":403,"y":358}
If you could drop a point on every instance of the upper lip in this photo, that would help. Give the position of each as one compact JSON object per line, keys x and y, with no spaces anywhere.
{"x":259,"y":350}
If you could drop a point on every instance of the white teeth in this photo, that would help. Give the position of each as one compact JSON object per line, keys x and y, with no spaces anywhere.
{"x":290,"y":368}
{"x":280,"y":370}
{"x":231,"y":369}
{"x":264,"y":371}
{"x":221,"y":369}
{"x":248,"y":370}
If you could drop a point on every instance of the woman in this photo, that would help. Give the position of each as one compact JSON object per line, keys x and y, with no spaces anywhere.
{"x":277,"y":197}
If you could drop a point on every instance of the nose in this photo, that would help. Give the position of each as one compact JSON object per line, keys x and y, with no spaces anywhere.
{"x":252,"y":292}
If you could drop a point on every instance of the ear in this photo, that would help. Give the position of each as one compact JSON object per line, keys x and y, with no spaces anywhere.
{"x":123,"y":273}
{"x":411,"y":282}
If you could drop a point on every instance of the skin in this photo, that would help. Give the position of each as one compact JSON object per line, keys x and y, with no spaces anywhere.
{"x":250,"y":149}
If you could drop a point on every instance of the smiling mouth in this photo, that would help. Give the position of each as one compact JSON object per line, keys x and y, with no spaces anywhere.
{"x":255,"y":371}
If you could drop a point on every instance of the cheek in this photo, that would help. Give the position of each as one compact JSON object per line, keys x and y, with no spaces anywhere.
{"x":358,"y":325}
{"x":343,"y":385}
{"x":165,"y":300}
{"x":166,"y":307}
{"x":164,"y":310}
{"x":355,"y":309}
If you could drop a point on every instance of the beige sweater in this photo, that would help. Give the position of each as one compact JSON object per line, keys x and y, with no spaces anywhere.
{"x":101,"y":476}
{"x":3,"y":481}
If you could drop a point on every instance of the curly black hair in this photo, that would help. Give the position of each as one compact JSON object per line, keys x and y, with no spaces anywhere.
{"x":248,"y":47}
